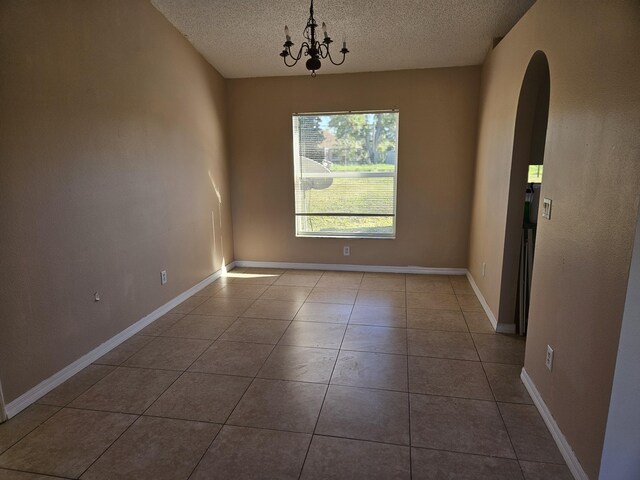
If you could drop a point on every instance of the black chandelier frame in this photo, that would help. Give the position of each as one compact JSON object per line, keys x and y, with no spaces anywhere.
{"x":314,"y":49}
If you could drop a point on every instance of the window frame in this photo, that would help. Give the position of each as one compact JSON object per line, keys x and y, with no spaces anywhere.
{"x":360,"y":235}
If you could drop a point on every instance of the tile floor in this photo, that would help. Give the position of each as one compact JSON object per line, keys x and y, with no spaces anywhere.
{"x":297,"y":374}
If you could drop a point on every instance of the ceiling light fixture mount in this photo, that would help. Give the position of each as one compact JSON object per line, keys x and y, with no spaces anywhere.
{"x":312,"y":48}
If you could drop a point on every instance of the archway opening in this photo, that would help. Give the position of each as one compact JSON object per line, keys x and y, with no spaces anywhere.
{"x":527,"y":164}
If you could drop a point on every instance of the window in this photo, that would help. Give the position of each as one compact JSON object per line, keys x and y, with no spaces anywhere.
{"x":535,"y":174}
{"x":345,"y":167}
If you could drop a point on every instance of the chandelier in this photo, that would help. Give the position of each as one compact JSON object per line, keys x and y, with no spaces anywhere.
{"x":312,"y":48}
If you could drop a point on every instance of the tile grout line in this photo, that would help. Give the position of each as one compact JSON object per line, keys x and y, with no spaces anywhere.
{"x":406,"y":307}
{"x":218,"y":337}
{"x":495,"y":400}
{"x":183,"y":373}
{"x":304,"y":461}
{"x":154,"y":401}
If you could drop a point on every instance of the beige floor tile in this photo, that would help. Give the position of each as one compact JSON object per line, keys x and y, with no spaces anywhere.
{"x":324,"y":313}
{"x":122,"y":352}
{"x":460,"y":425}
{"x":340,"y":280}
{"x":232,"y":358}
{"x":155,"y":448}
{"x":478,"y":322}
{"x":241,"y":290}
{"x":545,"y":471}
{"x":431,"y":343}
{"x":273,"y":309}
{"x":126,"y":390}
{"x":339,"y":459}
{"x":76,"y":385}
{"x":199,"y":326}
{"x":290,"y":294}
{"x":72,"y":439}
{"x":371,"y":370}
{"x":16,"y":475}
{"x":313,"y":334}
{"x":438,"y":288}
{"x":298,"y":280}
{"x":251,"y":278}
{"x":189,"y":304}
{"x":506,"y":384}
{"x":366,"y":338}
{"x":255,"y":330}
{"x":435,"y":464}
{"x":212,"y":288}
{"x":381,"y":298}
{"x":223,"y":307}
{"x":333,"y":295}
{"x":200,"y":396}
{"x":429,"y":284}
{"x":168,"y":353}
{"x":469,"y":303}
{"x":461,"y":284}
{"x":279,"y":405}
{"x":380,"y":316}
{"x":442,"y":301}
{"x":17,"y":427}
{"x":529,"y":435}
{"x":498,"y":348}
{"x":455,"y":378}
{"x":365,"y":414}
{"x":305,"y":271}
{"x":446,"y":320}
{"x":383,"y":281}
{"x":300,"y":364}
{"x":161,"y":324}
{"x":251,"y":453}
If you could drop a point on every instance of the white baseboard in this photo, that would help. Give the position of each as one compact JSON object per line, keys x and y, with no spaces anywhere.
{"x":564,"y":447}
{"x":499,"y":327}
{"x":44,"y":387}
{"x":352,"y":268}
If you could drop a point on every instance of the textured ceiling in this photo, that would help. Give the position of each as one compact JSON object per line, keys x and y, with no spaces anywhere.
{"x":242,"y":38}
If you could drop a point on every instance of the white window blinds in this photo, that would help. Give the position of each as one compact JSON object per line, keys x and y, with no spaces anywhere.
{"x":345,"y":168}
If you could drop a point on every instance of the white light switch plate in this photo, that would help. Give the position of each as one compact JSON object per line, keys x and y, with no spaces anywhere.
{"x":546,"y":208}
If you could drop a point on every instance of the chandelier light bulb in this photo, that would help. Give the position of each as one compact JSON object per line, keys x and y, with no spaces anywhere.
{"x":286,"y":33}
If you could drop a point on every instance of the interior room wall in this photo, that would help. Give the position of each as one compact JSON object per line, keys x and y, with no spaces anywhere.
{"x":592,"y":174}
{"x":437,"y":132}
{"x":113,"y":168}
{"x":621,"y":452}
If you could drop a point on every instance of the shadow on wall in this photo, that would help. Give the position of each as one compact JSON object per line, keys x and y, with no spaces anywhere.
{"x":528,"y":148}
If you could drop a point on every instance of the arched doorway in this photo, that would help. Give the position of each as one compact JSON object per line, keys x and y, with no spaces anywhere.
{"x":524,"y":193}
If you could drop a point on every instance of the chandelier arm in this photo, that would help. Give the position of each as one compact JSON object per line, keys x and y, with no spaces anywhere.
{"x":303,"y":48}
{"x":300,"y":50}
{"x":295,"y":61}
{"x":323,"y":50}
{"x":344,"y":55}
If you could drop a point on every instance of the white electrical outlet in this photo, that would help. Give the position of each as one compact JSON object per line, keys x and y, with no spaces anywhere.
{"x":484,"y":268}
{"x":548,"y":361}
{"x":163,"y":277}
{"x":346,"y":251}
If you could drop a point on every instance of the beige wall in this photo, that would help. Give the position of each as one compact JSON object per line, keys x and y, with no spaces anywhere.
{"x":438,"y":122}
{"x":111,"y":147}
{"x":592,"y":173}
